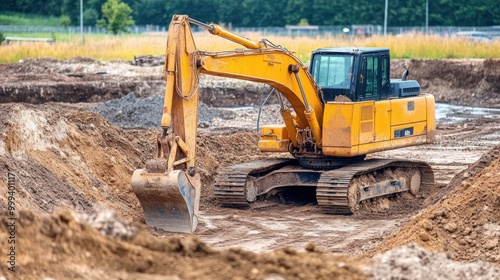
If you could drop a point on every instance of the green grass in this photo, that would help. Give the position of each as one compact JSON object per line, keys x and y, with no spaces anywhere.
{"x":61,"y":37}
{"x":108,"y":47}
{"x":9,"y":18}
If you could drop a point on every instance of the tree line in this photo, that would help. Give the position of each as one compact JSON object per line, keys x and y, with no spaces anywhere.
{"x":262,"y":13}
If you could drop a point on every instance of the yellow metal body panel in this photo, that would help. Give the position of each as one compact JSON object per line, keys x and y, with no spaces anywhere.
{"x":274,"y":139}
{"x":383,"y":121}
{"x":274,"y":131}
{"x":408,"y":110}
{"x":431,"y":118}
{"x":358,"y":128}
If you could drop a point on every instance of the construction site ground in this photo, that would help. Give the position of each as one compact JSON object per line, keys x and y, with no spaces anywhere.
{"x":73,"y":132}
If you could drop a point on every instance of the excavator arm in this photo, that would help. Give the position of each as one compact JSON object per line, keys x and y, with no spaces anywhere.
{"x":169,"y":187}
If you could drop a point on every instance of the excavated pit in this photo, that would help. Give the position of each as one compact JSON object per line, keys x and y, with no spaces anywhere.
{"x":468,"y":82}
{"x":73,"y":166}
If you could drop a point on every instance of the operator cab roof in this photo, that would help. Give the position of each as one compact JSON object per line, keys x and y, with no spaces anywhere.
{"x":351,"y":50}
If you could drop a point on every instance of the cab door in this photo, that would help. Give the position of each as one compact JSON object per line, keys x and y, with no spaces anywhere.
{"x":369,"y":81}
{"x":375,"y":78}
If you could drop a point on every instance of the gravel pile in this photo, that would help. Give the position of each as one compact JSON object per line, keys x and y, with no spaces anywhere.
{"x":108,"y":223}
{"x":132,"y":112}
{"x":413,"y":262}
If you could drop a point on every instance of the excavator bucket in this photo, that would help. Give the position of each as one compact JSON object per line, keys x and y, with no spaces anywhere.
{"x":170,"y":201}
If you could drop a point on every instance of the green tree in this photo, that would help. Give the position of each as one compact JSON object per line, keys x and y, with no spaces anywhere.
{"x":275,"y":12}
{"x":151,"y":12}
{"x":298,"y":10}
{"x":263,"y":13}
{"x":95,"y":5}
{"x":2,"y":38}
{"x":327,"y":12}
{"x":116,"y":16}
{"x":229,"y":13}
{"x":38,"y":7}
{"x":202,"y":10}
{"x":71,"y":8}
{"x":90,"y":16}
{"x":65,"y":21}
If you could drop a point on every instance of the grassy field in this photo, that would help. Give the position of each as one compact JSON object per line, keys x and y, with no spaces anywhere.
{"x":108,"y":47}
{"x":7,"y":18}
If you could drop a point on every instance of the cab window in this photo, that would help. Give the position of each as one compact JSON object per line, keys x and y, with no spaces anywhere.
{"x":371,"y":88}
{"x":385,"y":69}
{"x":333,"y":70}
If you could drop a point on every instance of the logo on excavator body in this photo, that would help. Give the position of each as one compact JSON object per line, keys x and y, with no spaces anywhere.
{"x":405,"y":132}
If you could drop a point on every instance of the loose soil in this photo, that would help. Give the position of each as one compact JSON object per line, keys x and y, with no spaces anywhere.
{"x":60,"y":247}
{"x":470,"y":82}
{"x":464,"y":223}
{"x":73,"y":165}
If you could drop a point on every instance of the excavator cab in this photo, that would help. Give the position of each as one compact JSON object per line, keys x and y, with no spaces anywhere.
{"x":356,"y":73}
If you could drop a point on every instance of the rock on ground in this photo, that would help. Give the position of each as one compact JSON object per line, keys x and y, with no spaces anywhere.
{"x":413,"y":262}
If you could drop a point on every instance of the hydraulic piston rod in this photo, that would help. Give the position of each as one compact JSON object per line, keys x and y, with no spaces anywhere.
{"x":217,"y":30}
{"x":309,"y":111}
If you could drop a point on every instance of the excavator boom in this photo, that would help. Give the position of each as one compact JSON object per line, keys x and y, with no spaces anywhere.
{"x":169,"y":188}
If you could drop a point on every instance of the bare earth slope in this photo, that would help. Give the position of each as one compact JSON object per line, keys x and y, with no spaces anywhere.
{"x":465,"y":223}
{"x":473,"y":82}
{"x":60,"y":247}
{"x":470,"y":82}
{"x":66,"y":157}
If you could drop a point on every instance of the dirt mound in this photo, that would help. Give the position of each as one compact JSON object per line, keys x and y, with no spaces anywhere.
{"x":456,"y":81}
{"x":67,"y":245}
{"x":131,"y":111}
{"x":465,"y":222}
{"x":74,"y":158}
{"x":470,"y":82}
{"x":75,"y":80}
{"x":413,"y":262}
{"x":83,"y":79}
{"x":60,"y":247}
{"x":67,"y":158}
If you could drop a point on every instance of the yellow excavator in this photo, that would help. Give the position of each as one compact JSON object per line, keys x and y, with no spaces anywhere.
{"x":335,"y":111}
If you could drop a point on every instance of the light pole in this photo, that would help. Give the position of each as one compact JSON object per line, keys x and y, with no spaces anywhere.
{"x":385,"y":18}
{"x":426,"y":16}
{"x":81,"y":22}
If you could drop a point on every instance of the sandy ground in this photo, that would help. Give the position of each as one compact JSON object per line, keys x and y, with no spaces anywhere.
{"x":67,"y":157}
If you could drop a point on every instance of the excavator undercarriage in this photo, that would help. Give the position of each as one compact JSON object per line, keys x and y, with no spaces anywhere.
{"x":337,"y":191}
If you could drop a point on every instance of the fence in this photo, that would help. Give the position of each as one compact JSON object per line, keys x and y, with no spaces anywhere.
{"x":76,"y":29}
{"x":351,"y":30}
